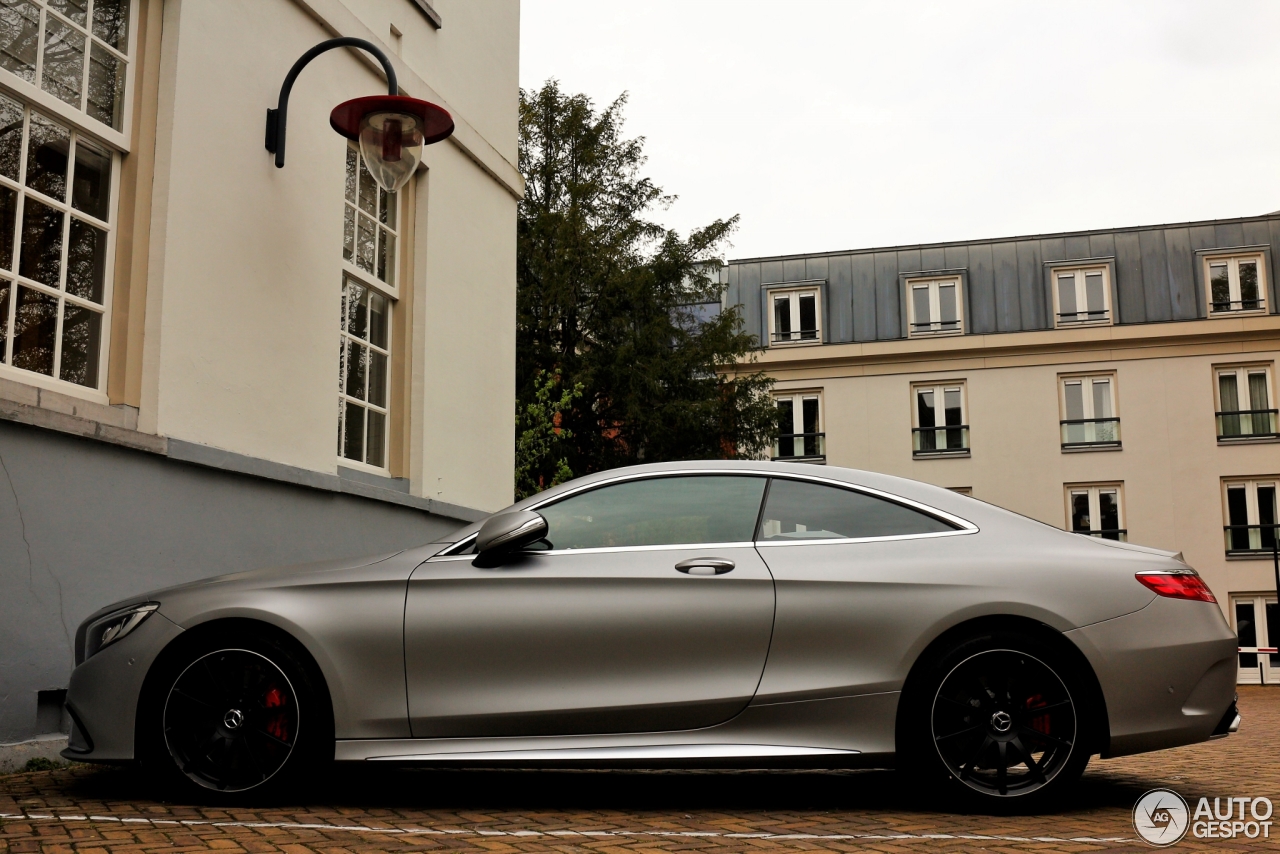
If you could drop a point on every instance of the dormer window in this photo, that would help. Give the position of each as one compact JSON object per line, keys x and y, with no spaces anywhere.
{"x":794,"y":317}
{"x":934,"y":307}
{"x":1236,"y":284}
{"x":1082,"y":297}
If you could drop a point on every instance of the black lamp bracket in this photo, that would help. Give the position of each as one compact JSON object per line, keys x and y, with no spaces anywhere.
{"x":276,"y":118}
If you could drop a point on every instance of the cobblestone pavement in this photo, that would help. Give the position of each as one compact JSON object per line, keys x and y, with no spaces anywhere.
{"x":88,"y":810}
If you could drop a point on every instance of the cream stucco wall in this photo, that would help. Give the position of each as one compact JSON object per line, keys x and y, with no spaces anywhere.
{"x":1171,"y":463}
{"x":245,"y":267}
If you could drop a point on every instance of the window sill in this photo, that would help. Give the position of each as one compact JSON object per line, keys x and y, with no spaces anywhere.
{"x":937,"y":455}
{"x":1258,"y":555}
{"x":1266,"y":439}
{"x":820,"y":461}
{"x":950,"y":333}
{"x":804,"y":342}
{"x":1084,"y":323}
{"x":1239,"y":312}
{"x":1088,"y":449}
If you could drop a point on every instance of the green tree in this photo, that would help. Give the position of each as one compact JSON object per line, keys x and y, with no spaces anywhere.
{"x":540,"y":440}
{"x":614,"y":303}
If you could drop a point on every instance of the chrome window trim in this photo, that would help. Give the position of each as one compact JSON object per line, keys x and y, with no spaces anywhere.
{"x":964,"y":526}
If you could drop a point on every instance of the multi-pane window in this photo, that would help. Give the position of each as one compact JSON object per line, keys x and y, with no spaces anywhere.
{"x":1257,"y":625}
{"x":1089,"y":412}
{"x":939,"y":416}
{"x":934,"y":307}
{"x":369,"y":227}
{"x":364,"y":352}
{"x":1251,"y":515}
{"x":55,"y":231}
{"x":794,"y":317}
{"x":73,"y":49}
{"x":1096,"y":510}
{"x":1245,"y":403}
{"x":1236,"y":284}
{"x":1082,"y":296}
{"x":801,"y":436}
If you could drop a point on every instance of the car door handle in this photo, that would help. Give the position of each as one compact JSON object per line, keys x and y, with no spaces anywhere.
{"x":705,"y":566}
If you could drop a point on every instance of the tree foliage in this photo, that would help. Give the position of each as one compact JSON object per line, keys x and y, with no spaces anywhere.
{"x":614,"y":303}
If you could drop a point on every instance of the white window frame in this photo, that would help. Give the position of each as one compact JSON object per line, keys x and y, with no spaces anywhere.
{"x":33,"y":93}
{"x":1080,"y":277}
{"x":352,"y":271}
{"x":1094,"y":493}
{"x":1265,"y":665}
{"x":934,"y":286}
{"x":794,"y":335}
{"x":919,"y":437}
{"x":8,"y":320}
{"x":1258,"y":544}
{"x":1103,"y":435}
{"x":1260,"y":424}
{"x":1233,"y":283}
{"x":819,"y":445}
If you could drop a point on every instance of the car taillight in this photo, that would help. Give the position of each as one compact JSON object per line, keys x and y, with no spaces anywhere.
{"x":1177,"y":584}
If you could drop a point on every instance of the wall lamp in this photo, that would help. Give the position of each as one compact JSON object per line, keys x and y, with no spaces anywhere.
{"x":391,"y":129}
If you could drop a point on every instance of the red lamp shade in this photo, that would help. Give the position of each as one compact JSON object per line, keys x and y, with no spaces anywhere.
{"x":391,"y":131}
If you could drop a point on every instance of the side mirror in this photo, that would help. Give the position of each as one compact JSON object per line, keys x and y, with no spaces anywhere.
{"x":507,"y":532}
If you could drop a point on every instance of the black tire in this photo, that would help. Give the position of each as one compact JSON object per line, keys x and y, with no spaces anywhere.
{"x":1001,"y":720}
{"x":234,"y":716}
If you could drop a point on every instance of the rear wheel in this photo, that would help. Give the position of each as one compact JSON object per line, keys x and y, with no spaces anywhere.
{"x":1002,"y":718}
{"x":237,"y":716}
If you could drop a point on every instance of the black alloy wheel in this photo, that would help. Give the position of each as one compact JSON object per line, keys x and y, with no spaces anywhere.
{"x":1004,"y":724}
{"x":231,"y":720}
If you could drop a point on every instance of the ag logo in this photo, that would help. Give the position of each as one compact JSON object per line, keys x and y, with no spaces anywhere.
{"x":1161,"y":817}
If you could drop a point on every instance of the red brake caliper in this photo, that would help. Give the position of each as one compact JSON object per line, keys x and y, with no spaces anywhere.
{"x":1041,"y":722}
{"x":278,"y":725}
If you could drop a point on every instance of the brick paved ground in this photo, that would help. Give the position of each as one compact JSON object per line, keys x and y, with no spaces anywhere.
{"x":86,"y":810}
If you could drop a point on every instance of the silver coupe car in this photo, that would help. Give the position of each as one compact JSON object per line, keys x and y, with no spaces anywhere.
{"x":678,"y":614}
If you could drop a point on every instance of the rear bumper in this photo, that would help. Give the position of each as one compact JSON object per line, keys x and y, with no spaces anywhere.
{"x":1167,"y":672}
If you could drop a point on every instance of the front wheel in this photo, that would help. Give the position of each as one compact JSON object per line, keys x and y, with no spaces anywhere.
{"x":1003,"y":717}
{"x":235,"y":715}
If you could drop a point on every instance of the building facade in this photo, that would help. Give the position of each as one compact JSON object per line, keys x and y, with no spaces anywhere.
{"x":1118,"y":383}
{"x":208,"y":364}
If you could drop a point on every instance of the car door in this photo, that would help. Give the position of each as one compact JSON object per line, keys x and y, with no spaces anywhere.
{"x":648,"y":609}
{"x":859,"y":578}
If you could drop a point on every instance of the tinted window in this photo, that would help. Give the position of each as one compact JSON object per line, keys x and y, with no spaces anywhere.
{"x":659,"y":511}
{"x":805,"y":511}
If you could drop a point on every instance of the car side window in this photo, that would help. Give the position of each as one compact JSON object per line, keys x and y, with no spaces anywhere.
{"x":657,"y":512}
{"x":797,"y":511}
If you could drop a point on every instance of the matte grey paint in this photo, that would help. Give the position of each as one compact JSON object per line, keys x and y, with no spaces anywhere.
{"x":84,"y":523}
{"x":614,"y":653}
{"x":1155,"y":277}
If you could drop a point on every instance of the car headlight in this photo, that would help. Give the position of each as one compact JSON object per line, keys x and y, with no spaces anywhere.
{"x":105,"y":631}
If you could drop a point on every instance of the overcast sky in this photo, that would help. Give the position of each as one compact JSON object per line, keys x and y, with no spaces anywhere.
{"x":840,"y":125}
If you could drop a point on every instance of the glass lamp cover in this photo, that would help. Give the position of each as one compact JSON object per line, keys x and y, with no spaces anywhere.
{"x":391,"y":144}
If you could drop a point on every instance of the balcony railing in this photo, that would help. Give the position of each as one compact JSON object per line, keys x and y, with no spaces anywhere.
{"x":1251,"y":539}
{"x":940,"y":441}
{"x":1220,"y":306}
{"x":1121,"y":534}
{"x":794,"y":335}
{"x":1248,"y":424}
{"x":1097,"y":315}
{"x":1090,"y":432}
{"x":801,"y":447}
{"x":925,"y":327}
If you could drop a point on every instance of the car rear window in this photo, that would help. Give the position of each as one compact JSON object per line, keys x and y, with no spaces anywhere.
{"x":796,"y":511}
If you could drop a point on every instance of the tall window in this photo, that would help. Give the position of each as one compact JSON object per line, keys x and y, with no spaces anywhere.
{"x":794,"y":318}
{"x":1082,"y":296}
{"x":1236,"y":284}
{"x":368,"y":299}
{"x":1096,"y":510}
{"x":1089,"y":412}
{"x":55,"y":232}
{"x":1245,"y":409}
{"x":801,"y":437}
{"x":939,"y":416}
{"x":1251,"y":515}
{"x":934,"y":307}
{"x":47,"y":43}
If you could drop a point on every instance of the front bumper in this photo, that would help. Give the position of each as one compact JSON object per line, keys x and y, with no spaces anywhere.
{"x":1167,"y":672}
{"x":103,"y":695}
